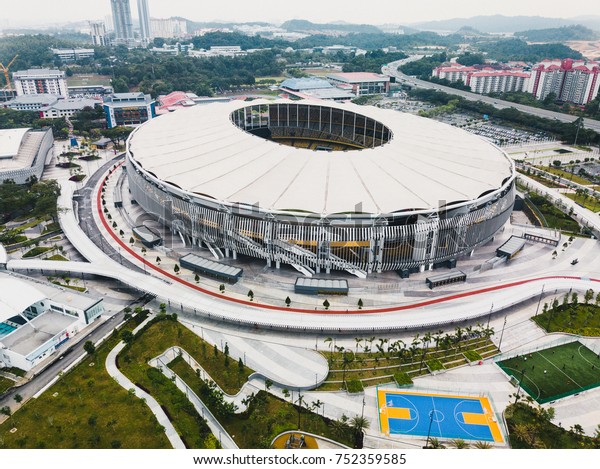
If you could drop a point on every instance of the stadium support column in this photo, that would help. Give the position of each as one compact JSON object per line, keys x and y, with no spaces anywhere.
{"x":375,"y":254}
{"x":426,"y":234}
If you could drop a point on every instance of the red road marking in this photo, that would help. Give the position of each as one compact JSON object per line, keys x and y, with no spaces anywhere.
{"x":309,"y":311}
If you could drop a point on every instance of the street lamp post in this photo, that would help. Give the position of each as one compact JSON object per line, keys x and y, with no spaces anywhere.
{"x":519,"y":388}
{"x":502,"y":334}
{"x":540,"y":300}
{"x":490,"y":315}
{"x":429,"y":429}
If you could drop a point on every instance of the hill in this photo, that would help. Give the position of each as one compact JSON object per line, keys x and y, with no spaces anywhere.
{"x":305,"y":26}
{"x":575,"y":32}
{"x":495,"y":23}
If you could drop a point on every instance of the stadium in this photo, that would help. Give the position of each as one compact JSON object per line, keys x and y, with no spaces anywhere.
{"x":320,"y":186}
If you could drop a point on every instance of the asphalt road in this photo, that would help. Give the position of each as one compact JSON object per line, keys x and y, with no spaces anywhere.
{"x":391,"y":69}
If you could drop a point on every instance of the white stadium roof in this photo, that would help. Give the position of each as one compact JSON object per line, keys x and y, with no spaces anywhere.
{"x":425,"y":165}
{"x":16,"y":296}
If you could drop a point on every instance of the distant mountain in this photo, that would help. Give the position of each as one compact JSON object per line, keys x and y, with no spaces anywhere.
{"x":468,"y":31}
{"x":576,"y":32}
{"x":495,"y":23}
{"x":304,"y":26}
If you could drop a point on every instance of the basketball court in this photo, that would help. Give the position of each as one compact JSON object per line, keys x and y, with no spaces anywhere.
{"x":437,"y":415}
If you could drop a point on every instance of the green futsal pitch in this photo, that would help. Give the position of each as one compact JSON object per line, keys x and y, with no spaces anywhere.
{"x":555,"y":372}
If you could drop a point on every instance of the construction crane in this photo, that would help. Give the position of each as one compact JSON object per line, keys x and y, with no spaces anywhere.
{"x":5,"y":71}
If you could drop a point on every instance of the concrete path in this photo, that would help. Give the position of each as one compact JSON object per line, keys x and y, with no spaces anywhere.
{"x":215,"y":426}
{"x":122,"y":380}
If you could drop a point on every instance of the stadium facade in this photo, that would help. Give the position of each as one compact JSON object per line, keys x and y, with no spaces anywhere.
{"x":320,"y":186}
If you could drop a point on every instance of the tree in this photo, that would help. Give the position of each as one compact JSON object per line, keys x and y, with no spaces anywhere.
{"x":127,"y":337}
{"x":158,"y":260}
{"x":589,"y":295}
{"x":176,"y":269}
{"x":288,"y":301}
{"x":222,"y":288}
{"x":121,"y":233}
{"x":268,"y":384}
{"x":251,"y":295}
{"x":240,"y":366}
{"x":358,"y":425}
{"x":326,"y":304}
{"x":226,"y":353}
{"x":360,"y":303}
{"x":131,"y":240}
{"x":89,"y":347}
{"x":197,"y":278}
{"x":18,"y":398}
{"x":347,"y":359}
{"x":215,"y":351}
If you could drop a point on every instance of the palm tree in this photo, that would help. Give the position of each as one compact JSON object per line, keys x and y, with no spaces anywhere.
{"x":459,"y":443}
{"x":347,"y":359}
{"x":482,"y":445}
{"x":358,"y":425}
{"x":358,"y":341}
{"x":329,"y":341}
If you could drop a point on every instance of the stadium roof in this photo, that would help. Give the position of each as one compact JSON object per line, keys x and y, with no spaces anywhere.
{"x":358,"y":77}
{"x":426,"y":164}
{"x":16,"y":296}
{"x":10,"y":141}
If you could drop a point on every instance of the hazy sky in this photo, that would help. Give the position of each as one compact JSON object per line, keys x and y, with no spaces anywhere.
{"x":15,"y":13}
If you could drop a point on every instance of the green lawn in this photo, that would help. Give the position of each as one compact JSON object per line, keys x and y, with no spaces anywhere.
{"x":85,"y":409}
{"x":588,"y":203}
{"x":266,"y":417}
{"x":153,"y":341}
{"x":555,"y":218}
{"x":580,"y":319}
{"x":57,"y":257}
{"x":555,"y":372}
{"x":5,"y":384}
{"x":567,"y":175}
{"x":36,"y":251}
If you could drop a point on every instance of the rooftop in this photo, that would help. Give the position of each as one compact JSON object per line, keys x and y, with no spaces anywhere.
{"x":302,"y":84}
{"x":200,"y":150}
{"x":43,"y":99}
{"x":10,"y":141}
{"x":358,"y":77}
{"x":37,"y":73}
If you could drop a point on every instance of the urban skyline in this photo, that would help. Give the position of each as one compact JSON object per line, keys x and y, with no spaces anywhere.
{"x":64,"y":11}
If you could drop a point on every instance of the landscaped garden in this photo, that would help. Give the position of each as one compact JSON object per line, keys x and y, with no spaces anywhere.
{"x":531,"y":427}
{"x":86,"y":408}
{"x":376,"y":361}
{"x":572,"y":316}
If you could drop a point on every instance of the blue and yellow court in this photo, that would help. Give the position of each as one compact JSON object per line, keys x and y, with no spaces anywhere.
{"x":442,"y":416}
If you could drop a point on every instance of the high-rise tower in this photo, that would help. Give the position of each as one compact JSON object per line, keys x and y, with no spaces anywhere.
{"x":122,"y":21}
{"x":144,"y":20}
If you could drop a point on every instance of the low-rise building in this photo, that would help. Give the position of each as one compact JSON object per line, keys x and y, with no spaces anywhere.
{"x":361,"y":83}
{"x":73,"y":55}
{"x":67,"y":107}
{"x":33,"y":102}
{"x":305,"y":88}
{"x":128,"y":109}
{"x":37,"y":318}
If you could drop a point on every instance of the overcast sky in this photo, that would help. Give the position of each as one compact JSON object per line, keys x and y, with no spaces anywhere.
{"x":14,"y":13}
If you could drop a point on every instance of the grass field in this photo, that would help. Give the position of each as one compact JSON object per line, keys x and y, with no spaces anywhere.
{"x":568,"y":176}
{"x":86,"y":408}
{"x":588,"y":203}
{"x":555,"y":372}
{"x":5,"y":384}
{"x":580,"y":320}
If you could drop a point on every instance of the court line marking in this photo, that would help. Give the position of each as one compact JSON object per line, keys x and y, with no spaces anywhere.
{"x":571,"y":379}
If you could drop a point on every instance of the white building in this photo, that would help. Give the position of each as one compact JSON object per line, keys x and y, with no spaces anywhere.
{"x":144,"y":17}
{"x":40,"y":81}
{"x":98,"y":33}
{"x":573,"y":81}
{"x":31,"y":102}
{"x":36,"y":319}
{"x":67,"y":107}
{"x":454,"y":73}
{"x":498,"y":81}
{"x":168,"y":28}
{"x":72,"y":55}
